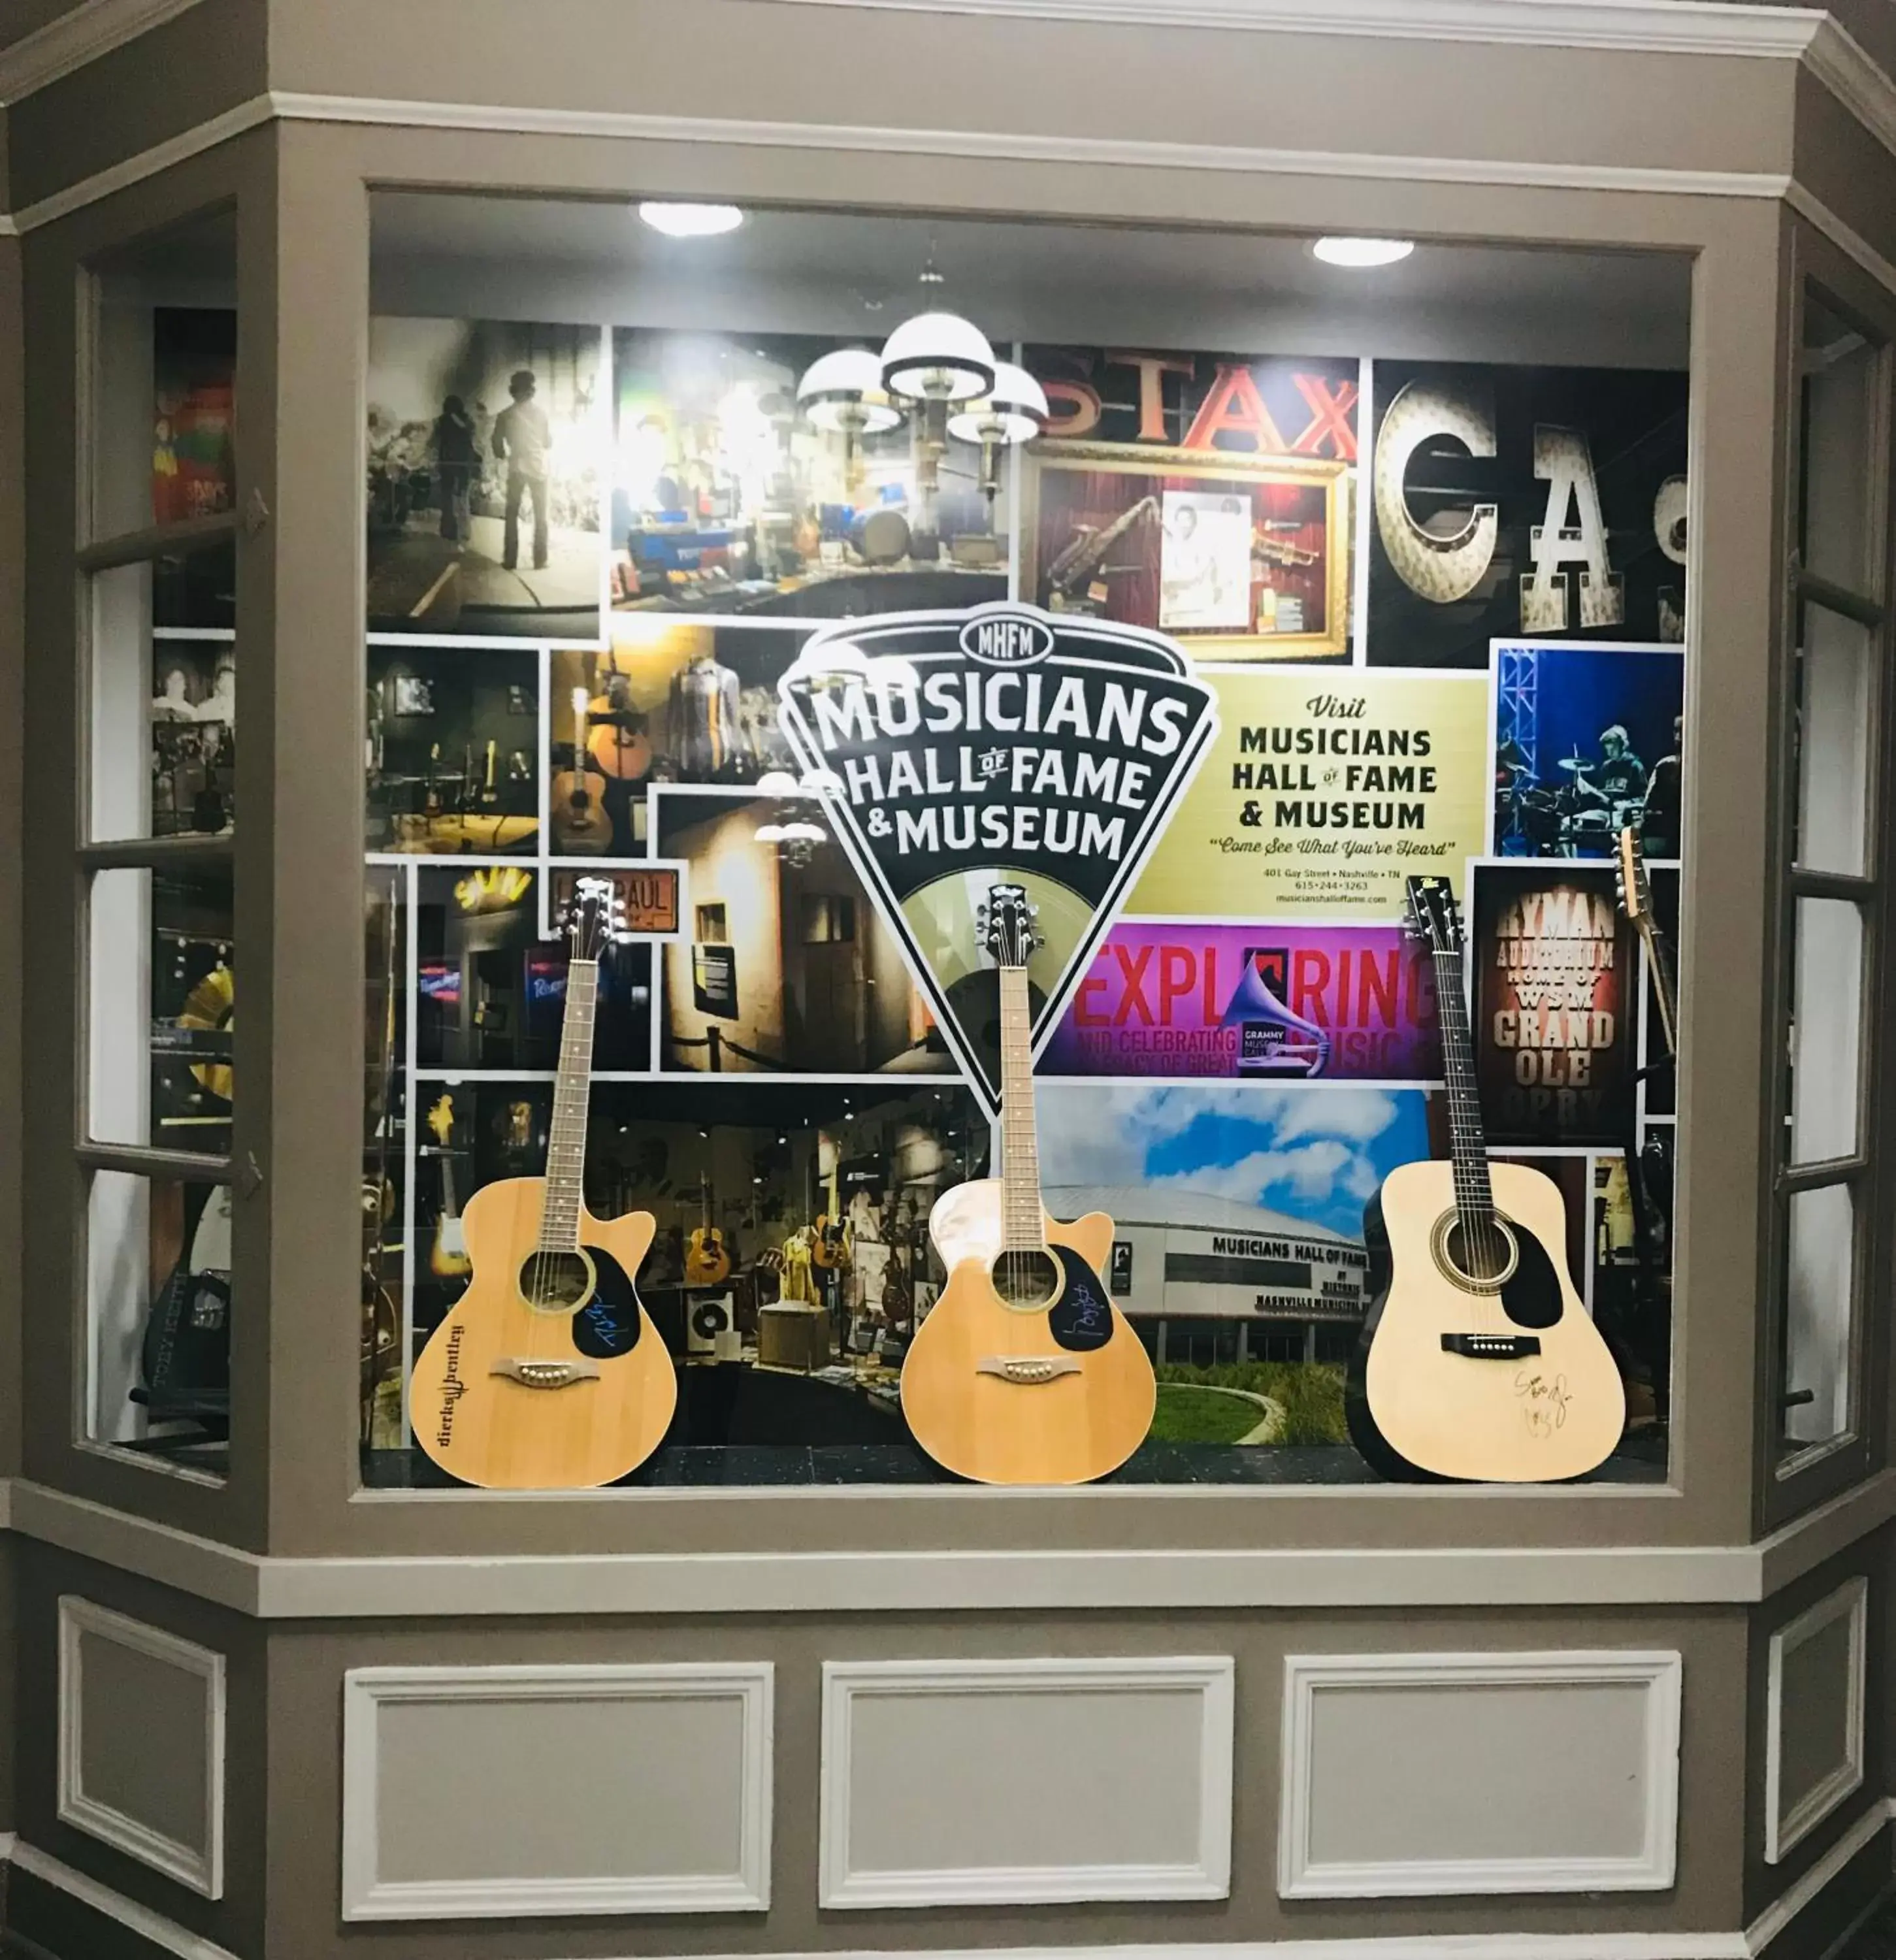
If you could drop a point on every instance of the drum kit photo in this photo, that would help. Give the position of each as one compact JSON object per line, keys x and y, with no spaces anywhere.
{"x":1578,"y":818}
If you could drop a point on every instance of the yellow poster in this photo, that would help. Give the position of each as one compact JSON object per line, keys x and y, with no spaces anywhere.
{"x":1322,"y":793}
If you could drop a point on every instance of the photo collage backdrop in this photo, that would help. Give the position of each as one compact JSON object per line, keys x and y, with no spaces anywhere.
{"x":1442,"y":611}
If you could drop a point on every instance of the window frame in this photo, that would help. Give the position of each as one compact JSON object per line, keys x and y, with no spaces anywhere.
{"x":1795,"y":1478}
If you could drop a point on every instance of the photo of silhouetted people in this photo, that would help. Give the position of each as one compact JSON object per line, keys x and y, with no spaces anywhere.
{"x":484,"y":469}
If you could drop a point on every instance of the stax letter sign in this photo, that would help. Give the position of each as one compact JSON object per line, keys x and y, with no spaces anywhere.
{"x":957,"y":750}
{"x":1571,"y":581}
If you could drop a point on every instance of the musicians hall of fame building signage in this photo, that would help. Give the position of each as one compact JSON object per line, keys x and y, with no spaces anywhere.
{"x":1323,"y":792}
{"x":998,"y":744}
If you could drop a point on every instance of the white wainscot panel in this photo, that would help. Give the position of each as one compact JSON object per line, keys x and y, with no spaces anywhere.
{"x":1024,"y":1781}
{"x":141,"y":1743}
{"x":1814,"y":1715}
{"x":1425,"y":1774}
{"x":496,"y":1792}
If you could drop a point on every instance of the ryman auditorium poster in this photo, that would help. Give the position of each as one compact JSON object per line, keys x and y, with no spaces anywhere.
{"x":1322,"y":793}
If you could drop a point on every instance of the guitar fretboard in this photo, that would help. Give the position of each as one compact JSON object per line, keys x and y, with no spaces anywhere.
{"x":1021,"y":1225}
{"x":566,"y":1140}
{"x":1474,"y":1194}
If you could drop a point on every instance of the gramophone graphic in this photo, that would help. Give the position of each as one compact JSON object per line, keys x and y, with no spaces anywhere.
{"x":1273,"y":1038}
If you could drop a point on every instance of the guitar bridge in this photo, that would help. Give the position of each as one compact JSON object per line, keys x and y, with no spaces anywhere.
{"x":1492,"y":1346}
{"x":1028,"y":1369}
{"x":533,"y":1374}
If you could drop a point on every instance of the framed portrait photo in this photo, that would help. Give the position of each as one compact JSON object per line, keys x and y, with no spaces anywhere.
{"x":1238,"y":557}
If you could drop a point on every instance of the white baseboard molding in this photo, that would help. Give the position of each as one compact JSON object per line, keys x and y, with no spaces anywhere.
{"x":1782,"y":1910}
{"x":166,"y":1934}
{"x":1747,"y":1945}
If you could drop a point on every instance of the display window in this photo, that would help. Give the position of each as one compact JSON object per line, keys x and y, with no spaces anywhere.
{"x":1827,"y":1162}
{"x":859,"y":773}
{"x":157,"y":776}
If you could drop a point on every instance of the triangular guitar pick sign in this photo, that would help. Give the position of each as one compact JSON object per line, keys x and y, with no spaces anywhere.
{"x":1001,"y":744}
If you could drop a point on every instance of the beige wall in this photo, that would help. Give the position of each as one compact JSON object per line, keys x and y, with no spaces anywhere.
{"x":43,"y":1575}
{"x":308,"y":1664}
{"x":207,"y":61}
{"x":730,"y":867}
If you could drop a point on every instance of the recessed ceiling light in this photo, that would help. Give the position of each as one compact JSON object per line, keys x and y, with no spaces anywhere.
{"x":1361,"y":251}
{"x":692,"y":220}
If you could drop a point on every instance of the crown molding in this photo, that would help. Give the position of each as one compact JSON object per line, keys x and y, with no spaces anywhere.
{"x":1836,"y":58}
{"x":1011,"y":146}
{"x":1645,"y":26}
{"x":93,"y":28}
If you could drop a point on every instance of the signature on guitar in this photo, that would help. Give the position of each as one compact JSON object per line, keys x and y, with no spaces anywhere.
{"x":1544,"y":1402}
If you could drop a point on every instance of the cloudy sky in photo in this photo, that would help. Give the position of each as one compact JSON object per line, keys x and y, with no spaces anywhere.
{"x":1314,"y":1151}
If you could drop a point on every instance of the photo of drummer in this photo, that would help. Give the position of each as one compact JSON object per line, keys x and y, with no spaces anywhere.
{"x":1573,"y":726}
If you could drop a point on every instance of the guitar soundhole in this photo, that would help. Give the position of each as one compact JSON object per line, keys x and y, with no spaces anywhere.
{"x":556,"y":1282}
{"x":1026,"y":1279}
{"x":1481,"y":1259}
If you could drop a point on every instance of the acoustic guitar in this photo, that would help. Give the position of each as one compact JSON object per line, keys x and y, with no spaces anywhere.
{"x":1024,"y":1371}
{"x":1477,"y":1361}
{"x":618,"y":742}
{"x":707,"y":1256}
{"x":447,"y":1256}
{"x":581,"y":829}
{"x":547,"y":1373}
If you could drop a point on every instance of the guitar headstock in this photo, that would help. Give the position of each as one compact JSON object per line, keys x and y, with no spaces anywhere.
{"x":1434,"y":917}
{"x":1006,"y":924}
{"x":595,"y":917}
{"x":441,"y":1120}
{"x":1629,"y":873}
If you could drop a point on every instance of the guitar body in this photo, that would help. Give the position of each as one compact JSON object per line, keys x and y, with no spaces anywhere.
{"x":494,"y":1430}
{"x":581,"y":829}
{"x":619,"y":746}
{"x":1416,"y":1410}
{"x":707,"y":1258}
{"x":447,"y":1256}
{"x":1080,"y":1420}
{"x":831,"y":1247}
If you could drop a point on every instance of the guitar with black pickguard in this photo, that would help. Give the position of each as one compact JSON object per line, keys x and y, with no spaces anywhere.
{"x":1024,"y":1371}
{"x":1477,"y":1361}
{"x":547,"y":1373}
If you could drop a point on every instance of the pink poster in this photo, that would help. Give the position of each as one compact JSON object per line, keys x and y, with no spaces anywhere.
{"x":1278,"y":1003}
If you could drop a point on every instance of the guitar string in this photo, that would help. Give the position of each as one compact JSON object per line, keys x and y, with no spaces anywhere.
{"x":1479,"y":1229}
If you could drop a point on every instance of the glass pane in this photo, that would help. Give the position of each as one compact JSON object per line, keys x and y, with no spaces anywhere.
{"x":163,"y":381}
{"x":163,"y":713}
{"x":1840,"y":375}
{"x":1834,"y":697}
{"x":1820,"y":1262}
{"x":162,"y":1000}
{"x":158,"y":1296}
{"x":1824,"y":1041}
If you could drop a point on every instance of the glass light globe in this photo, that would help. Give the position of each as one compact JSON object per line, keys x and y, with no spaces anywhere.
{"x":842,"y":392}
{"x":937,"y":357}
{"x":1014,"y":410}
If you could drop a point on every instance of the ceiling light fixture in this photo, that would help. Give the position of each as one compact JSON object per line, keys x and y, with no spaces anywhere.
{"x":1014,"y":410}
{"x":937,"y":357}
{"x":842,"y":392}
{"x":1361,"y":253}
{"x":692,"y":220}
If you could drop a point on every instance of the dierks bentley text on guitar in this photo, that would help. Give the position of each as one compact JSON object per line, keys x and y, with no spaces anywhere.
{"x":1025,"y":1371}
{"x":547,"y":1373}
{"x":1477,"y":1359}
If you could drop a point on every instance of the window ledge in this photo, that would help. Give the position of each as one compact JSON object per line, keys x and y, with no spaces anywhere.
{"x":939,"y":1581}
